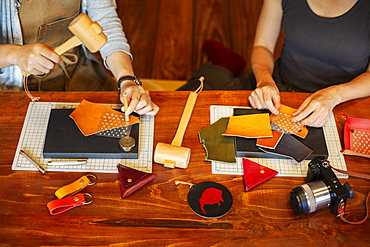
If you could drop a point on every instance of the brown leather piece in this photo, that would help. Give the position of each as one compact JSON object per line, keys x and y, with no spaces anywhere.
{"x":284,"y":121}
{"x":92,"y":118}
{"x":270,"y":142}
{"x":288,"y":146}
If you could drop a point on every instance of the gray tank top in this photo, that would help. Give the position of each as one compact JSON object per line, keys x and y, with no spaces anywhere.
{"x":319,"y":52}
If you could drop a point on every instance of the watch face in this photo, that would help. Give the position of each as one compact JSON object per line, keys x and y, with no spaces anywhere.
{"x":210,"y":199}
{"x":137,"y":81}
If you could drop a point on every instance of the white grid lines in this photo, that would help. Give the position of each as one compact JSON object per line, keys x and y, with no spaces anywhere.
{"x":286,"y":167}
{"x":34,"y":132}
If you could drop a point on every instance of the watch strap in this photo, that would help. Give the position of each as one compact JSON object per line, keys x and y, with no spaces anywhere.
{"x":128,"y":78}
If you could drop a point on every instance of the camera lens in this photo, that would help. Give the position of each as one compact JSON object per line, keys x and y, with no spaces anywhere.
{"x":310,"y":197}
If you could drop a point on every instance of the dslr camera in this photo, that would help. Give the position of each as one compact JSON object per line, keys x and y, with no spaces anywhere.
{"x":322,"y":190}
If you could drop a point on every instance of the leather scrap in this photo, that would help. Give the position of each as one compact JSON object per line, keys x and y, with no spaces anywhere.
{"x":270,"y":142}
{"x":277,"y":128}
{"x":92,"y":118}
{"x":218,"y":147}
{"x":284,"y":121}
{"x":249,"y":126}
{"x":255,"y":174}
{"x":290,"y":147}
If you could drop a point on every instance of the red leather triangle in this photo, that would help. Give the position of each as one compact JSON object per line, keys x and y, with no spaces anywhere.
{"x":255,"y":174}
{"x":132,"y":179}
{"x":130,"y":176}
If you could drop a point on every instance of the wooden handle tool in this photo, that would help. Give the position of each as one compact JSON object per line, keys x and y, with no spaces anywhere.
{"x":173,"y":155}
{"x":85,"y":32}
{"x":125,"y":107}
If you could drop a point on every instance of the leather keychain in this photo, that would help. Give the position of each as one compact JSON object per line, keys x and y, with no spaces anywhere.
{"x":59,"y":206}
{"x":76,"y":186}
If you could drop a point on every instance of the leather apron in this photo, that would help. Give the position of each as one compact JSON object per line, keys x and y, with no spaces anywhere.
{"x":46,"y":21}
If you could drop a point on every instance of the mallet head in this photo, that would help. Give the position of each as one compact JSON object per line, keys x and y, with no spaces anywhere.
{"x":172,"y":156}
{"x":88,"y":32}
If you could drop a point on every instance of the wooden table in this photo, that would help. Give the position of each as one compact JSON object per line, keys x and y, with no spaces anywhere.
{"x":260,"y":217}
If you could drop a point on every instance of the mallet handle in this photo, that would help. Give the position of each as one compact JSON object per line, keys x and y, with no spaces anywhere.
{"x":186,"y":114}
{"x":69,"y":44}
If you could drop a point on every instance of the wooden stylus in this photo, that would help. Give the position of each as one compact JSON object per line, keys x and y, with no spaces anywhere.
{"x":126,"y":102}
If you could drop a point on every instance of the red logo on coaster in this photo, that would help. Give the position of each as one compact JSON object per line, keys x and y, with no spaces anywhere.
{"x":209,"y":199}
{"x":210,"y":196}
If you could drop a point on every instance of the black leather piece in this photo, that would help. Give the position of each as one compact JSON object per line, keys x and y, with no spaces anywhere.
{"x":64,"y":140}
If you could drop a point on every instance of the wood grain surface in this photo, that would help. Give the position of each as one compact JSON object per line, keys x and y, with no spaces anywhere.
{"x":166,"y":36}
{"x":158,"y":215}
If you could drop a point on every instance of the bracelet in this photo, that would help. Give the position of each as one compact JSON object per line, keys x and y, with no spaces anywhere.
{"x":128,"y":78}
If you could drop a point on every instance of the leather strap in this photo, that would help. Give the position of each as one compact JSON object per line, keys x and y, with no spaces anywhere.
{"x":59,"y":206}
{"x":76,"y":186}
{"x":352,"y":174}
{"x":367,"y":204}
{"x":367,"y":199}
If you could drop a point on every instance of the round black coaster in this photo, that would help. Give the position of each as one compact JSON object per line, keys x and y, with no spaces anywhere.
{"x":210,"y":199}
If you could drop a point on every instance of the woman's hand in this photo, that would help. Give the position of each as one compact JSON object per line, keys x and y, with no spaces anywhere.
{"x":140,"y":101}
{"x":316,"y":109}
{"x":36,"y":59}
{"x":266,"y":97}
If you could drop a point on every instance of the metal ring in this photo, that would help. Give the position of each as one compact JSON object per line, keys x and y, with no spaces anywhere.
{"x":88,"y":195}
{"x":94,"y":181}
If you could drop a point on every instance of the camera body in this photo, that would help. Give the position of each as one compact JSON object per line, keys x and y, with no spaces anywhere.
{"x":322,"y":190}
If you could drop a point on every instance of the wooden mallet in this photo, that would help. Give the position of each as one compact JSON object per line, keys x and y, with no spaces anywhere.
{"x":86,"y":32}
{"x":173,"y":155}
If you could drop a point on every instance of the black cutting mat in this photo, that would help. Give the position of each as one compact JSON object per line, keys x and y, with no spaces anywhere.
{"x":244,"y":147}
{"x":64,"y":140}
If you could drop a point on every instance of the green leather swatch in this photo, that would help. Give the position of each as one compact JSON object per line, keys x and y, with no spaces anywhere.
{"x":218,"y":147}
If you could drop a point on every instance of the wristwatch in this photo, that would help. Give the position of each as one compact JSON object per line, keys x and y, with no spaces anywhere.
{"x":129,"y":78}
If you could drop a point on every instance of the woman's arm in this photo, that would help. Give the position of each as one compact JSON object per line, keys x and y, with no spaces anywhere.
{"x":117,"y":57}
{"x":120,"y":65}
{"x":316,"y":109}
{"x":266,"y":95}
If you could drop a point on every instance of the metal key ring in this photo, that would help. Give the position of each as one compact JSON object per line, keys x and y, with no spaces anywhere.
{"x":88,"y":195}
{"x":95,"y":179}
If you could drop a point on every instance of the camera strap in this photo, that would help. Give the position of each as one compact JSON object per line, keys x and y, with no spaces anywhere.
{"x":352,"y":174}
{"x":367,"y":203}
{"x":367,"y":199}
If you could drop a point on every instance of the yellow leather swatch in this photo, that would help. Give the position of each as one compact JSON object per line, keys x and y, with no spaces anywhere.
{"x":92,"y":118}
{"x":284,"y":121}
{"x":249,"y":126}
